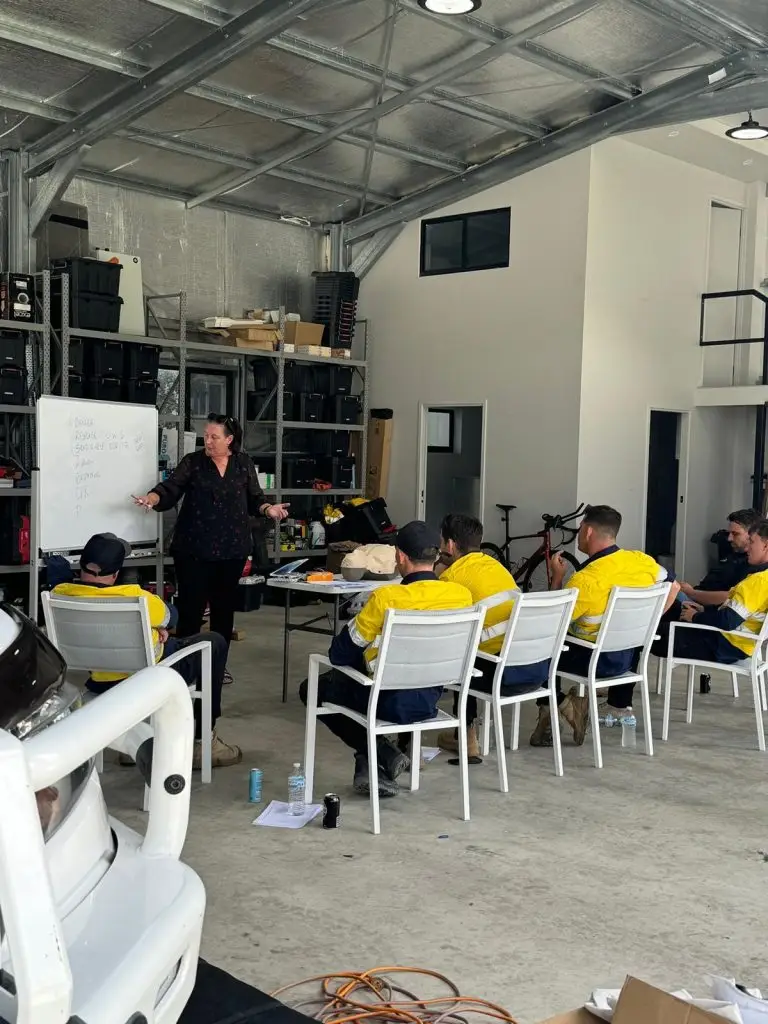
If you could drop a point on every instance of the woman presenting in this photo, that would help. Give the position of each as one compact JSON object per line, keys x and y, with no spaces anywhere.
{"x":212,"y":539}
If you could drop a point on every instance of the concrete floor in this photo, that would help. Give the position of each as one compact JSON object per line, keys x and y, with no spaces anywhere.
{"x":650,"y":866}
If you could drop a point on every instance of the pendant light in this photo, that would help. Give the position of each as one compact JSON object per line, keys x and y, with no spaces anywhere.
{"x":748,"y":131}
{"x":450,"y":6}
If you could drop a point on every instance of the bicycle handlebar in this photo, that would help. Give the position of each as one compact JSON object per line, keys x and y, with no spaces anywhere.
{"x":556,"y":521}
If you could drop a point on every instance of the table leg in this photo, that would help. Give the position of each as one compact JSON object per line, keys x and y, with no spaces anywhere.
{"x":336,"y":615}
{"x":286,"y":641}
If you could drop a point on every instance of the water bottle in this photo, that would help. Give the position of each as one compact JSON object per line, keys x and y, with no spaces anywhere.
{"x":296,"y":785}
{"x":608,"y":721}
{"x":629,"y":732}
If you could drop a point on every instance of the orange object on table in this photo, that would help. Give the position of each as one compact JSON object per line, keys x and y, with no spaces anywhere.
{"x":320,"y":577}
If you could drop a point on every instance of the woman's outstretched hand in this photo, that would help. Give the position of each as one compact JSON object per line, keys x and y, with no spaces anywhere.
{"x":147,"y":501}
{"x":277,"y":512}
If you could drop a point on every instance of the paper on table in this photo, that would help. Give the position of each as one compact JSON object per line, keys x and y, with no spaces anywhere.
{"x":277,"y":815}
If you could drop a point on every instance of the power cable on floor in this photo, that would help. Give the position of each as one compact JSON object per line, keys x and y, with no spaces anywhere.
{"x":351,"y":997}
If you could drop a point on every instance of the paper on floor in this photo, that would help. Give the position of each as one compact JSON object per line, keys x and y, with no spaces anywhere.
{"x":276,"y":814}
{"x":429,"y":753}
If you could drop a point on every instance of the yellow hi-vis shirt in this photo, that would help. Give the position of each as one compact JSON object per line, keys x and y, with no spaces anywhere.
{"x":749,"y":600}
{"x":158,"y":614}
{"x":594,"y":581}
{"x":484,"y":577}
{"x":422,"y":595}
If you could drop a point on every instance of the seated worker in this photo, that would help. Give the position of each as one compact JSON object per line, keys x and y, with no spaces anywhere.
{"x":719,"y":581}
{"x":745,"y":608}
{"x":606,"y":567}
{"x":356,"y":646}
{"x":462,"y":561}
{"x":100,"y":563}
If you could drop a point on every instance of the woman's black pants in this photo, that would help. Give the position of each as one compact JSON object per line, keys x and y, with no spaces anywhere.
{"x":202,"y":583}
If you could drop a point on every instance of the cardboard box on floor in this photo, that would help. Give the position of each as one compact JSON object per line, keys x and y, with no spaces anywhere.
{"x":641,"y":1003}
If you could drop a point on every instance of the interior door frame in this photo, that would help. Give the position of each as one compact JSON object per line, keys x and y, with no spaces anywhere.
{"x":421,"y":481}
{"x":682,"y":481}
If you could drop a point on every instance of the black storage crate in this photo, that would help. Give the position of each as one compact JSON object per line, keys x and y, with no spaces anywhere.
{"x":249,"y":596}
{"x":107,"y":389}
{"x":341,"y":380}
{"x":299,"y":472}
{"x":330,"y":442}
{"x":142,"y":392}
{"x":311,"y":408}
{"x":362,"y":523}
{"x":76,"y":357}
{"x":142,"y":361}
{"x":77,"y":388}
{"x":264,"y":376}
{"x":12,"y":349}
{"x":13,"y":385}
{"x":89,"y":275}
{"x":340,"y":471}
{"x":255,"y":404}
{"x":88,"y":311}
{"x":344,"y":409}
{"x":104,"y":358}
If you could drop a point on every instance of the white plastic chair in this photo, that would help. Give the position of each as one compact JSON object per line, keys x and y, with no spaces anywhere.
{"x":535,"y":631}
{"x":113,"y":634}
{"x":661,"y":676}
{"x":631,"y":619}
{"x":753,"y":668}
{"x":416,"y":650}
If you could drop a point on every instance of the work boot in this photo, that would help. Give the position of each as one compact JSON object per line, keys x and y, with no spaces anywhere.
{"x":542,"y":734}
{"x":362,"y":780}
{"x":449,"y":741}
{"x":575,"y":710}
{"x":223,"y":755}
{"x":227,"y":680}
{"x":392,"y":761}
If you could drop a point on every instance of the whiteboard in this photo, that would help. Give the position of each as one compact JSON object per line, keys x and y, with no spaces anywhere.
{"x":92,"y":456}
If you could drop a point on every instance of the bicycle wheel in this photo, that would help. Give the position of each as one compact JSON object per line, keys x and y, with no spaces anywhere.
{"x":535,"y":579}
{"x":495,"y":552}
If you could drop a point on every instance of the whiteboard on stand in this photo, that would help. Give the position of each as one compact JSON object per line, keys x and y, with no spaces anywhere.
{"x":92,"y":456}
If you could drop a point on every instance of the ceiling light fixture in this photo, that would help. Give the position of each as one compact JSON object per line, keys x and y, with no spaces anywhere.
{"x":749,"y":130}
{"x":450,"y":6}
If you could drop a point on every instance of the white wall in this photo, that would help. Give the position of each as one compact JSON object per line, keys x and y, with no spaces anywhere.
{"x":511,"y":336}
{"x":646,"y":270}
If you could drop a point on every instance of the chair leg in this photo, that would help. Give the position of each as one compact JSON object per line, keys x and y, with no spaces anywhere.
{"x":735,"y":685}
{"x":100,"y":762}
{"x":207,"y":729}
{"x":594,"y":720}
{"x":646,"y":698}
{"x":415,"y":759}
{"x":757,"y":698}
{"x":763,"y":700}
{"x":515,"y":738}
{"x":310,"y":730}
{"x":689,"y":698}
{"x":659,"y":675}
{"x":501,"y":753}
{"x":464,"y":767}
{"x":667,"y":699}
{"x":486,"y":735}
{"x":373,"y":776}
{"x":145,"y":802}
{"x":557,"y":747}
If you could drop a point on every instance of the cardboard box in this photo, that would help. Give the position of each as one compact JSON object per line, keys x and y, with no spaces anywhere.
{"x":301,"y":332}
{"x":379,"y":455}
{"x":641,"y":1003}
{"x":314,"y":350}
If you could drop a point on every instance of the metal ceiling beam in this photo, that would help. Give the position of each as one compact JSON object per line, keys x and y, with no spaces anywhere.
{"x":53,"y":186}
{"x":701,"y":15}
{"x":706,"y":35}
{"x":304,"y":147}
{"x":535,"y":53}
{"x":563,"y":142}
{"x":337,"y":60}
{"x":24,"y":34}
{"x":38,"y":108}
{"x":373,"y":250}
{"x":749,"y":95}
{"x":153,"y":189}
{"x":133,"y":100}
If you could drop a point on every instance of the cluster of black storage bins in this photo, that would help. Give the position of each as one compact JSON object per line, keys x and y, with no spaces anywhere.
{"x":107,"y":370}
{"x":314,"y":393}
{"x":13,"y":374}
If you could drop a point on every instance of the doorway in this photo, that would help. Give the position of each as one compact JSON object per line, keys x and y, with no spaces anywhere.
{"x":451,"y":461}
{"x":664,"y":504}
{"x":724,"y":273}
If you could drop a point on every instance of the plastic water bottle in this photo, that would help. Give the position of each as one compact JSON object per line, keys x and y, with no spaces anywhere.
{"x":296,"y":785}
{"x":608,"y":721}
{"x":629,"y":732}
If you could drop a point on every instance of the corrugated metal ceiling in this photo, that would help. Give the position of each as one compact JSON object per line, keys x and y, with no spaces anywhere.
{"x":338,"y":60}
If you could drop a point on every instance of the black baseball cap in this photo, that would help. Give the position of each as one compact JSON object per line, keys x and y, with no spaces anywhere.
{"x":104,"y":554}
{"x":415,"y":538}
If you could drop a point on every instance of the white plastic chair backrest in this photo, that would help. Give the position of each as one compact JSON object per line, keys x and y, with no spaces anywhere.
{"x":536,"y":626}
{"x":100,"y":634}
{"x":632,"y":617}
{"x":420,"y":649}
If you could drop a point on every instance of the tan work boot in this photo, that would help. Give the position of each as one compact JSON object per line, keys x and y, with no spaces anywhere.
{"x":575,"y":710}
{"x":449,"y":741}
{"x":223,"y":755}
{"x":542,"y":734}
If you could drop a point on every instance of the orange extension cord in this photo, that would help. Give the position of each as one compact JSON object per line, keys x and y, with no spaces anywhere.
{"x":377,"y":994}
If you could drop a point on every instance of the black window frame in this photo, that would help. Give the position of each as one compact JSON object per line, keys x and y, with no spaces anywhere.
{"x":464,"y":218}
{"x":441,"y":448}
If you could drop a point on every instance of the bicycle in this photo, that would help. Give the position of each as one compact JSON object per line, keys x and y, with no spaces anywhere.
{"x":528,"y":571}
